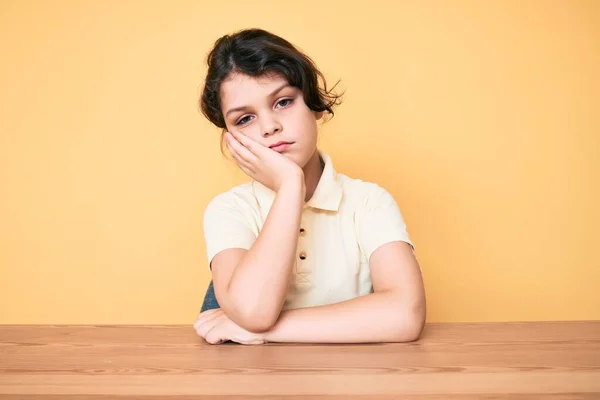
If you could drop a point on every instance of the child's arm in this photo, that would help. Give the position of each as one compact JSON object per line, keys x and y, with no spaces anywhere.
{"x":395,"y":312}
{"x":251,"y":285}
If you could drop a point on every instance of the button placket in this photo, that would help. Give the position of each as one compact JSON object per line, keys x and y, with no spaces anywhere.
{"x":301,"y":244}
{"x":301,"y":254}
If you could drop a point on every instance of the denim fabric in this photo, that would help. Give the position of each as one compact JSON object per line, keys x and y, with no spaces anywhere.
{"x":210,"y":301}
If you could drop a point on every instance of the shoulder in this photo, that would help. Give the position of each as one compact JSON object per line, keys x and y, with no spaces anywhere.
{"x":376,"y":214}
{"x":230,"y":221}
{"x":239,"y":198}
{"x":364,"y":193}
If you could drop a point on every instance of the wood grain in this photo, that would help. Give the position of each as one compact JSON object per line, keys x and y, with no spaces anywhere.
{"x":536,"y":360}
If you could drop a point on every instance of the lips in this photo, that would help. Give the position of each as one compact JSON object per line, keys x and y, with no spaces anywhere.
{"x":280,"y":146}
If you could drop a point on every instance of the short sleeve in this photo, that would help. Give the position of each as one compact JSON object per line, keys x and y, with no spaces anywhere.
{"x":380,"y":221}
{"x":228,"y":224}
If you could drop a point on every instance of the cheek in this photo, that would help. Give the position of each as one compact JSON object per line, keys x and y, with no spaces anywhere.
{"x":308,"y":125}
{"x":252,"y":130}
{"x":302,"y":121}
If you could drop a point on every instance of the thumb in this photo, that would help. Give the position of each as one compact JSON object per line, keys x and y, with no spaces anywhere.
{"x":213,"y":336}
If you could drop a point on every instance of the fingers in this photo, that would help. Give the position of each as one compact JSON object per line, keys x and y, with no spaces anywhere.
{"x":248,"y":143}
{"x":207,"y":315}
{"x":213,"y":336}
{"x":206,"y":320}
{"x":243,"y":164}
{"x":207,"y":326}
{"x":241,"y":153}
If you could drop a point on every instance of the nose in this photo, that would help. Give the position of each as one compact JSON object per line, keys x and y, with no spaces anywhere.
{"x":271,"y":126}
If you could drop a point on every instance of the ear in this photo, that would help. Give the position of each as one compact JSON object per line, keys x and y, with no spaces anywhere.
{"x":319,"y":115}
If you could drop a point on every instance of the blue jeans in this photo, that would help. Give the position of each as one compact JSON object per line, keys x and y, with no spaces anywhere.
{"x":210,"y":301}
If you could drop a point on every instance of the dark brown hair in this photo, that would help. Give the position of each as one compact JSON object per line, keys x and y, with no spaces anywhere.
{"x":256,"y":52}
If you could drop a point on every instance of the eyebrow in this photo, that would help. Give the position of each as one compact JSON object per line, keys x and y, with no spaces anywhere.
{"x":273,"y":93}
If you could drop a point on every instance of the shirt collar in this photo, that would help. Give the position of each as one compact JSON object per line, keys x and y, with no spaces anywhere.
{"x":327,"y":195}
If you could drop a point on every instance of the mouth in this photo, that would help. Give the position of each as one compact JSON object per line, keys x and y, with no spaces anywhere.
{"x":280,"y":147}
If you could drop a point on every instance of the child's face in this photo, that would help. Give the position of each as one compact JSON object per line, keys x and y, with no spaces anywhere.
{"x":270,"y":111}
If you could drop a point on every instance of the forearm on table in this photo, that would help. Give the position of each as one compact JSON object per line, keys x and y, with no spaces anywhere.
{"x":377,"y":317}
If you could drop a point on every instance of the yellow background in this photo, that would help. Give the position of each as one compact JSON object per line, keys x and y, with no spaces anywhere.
{"x":481,"y":117}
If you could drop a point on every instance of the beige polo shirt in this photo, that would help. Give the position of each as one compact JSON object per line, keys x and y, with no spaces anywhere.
{"x":344,"y":222}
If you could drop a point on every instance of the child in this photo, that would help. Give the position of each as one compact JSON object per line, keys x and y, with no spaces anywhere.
{"x":301,"y":253}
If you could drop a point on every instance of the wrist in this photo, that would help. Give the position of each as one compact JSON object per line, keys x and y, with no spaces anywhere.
{"x":295,"y":185}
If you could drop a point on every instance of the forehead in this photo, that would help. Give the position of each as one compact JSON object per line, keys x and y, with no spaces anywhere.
{"x":241,"y":89}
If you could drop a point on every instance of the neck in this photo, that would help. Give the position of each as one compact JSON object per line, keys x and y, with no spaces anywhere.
{"x":312,"y":174}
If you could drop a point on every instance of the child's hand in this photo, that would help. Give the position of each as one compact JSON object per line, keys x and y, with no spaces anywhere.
{"x":216,"y":327}
{"x":263,"y":164}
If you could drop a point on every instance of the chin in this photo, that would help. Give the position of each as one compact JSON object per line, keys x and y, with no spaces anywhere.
{"x":297,"y":159}
{"x":292,"y":157}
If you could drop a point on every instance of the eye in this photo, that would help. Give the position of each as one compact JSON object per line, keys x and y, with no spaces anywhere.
{"x":243,"y":120}
{"x":283,"y":103}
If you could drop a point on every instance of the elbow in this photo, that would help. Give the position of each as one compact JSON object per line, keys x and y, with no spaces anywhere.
{"x":412,"y":323}
{"x":417,"y":321}
{"x":256,"y":321}
{"x":253,"y":316}
{"x":415,"y":329}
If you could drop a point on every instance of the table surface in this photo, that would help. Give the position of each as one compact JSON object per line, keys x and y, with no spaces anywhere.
{"x":532,"y":360}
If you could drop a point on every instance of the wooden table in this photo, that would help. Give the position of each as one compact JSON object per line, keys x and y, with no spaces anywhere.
{"x":552,"y":360}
